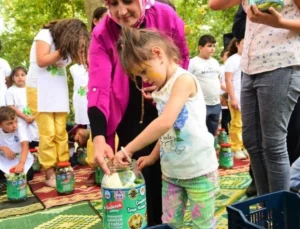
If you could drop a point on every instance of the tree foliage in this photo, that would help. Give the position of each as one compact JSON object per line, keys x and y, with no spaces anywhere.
{"x":23,"y":19}
{"x":200,"y":19}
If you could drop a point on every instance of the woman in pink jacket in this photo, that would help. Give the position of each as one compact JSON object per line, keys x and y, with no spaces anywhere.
{"x":115,"y":103}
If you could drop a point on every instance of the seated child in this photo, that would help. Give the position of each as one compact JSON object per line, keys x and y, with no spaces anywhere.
{"x":14,"y":145}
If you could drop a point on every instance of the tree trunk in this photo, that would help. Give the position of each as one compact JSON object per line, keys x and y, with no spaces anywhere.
{"x":90,"y":6}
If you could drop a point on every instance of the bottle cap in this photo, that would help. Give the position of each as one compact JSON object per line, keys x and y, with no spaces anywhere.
{"x":63,"y":164}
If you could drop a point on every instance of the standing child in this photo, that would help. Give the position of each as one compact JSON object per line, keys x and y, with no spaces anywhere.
{"x":185,"y":147}
{"x":5,"y":71}
{"x":14,"y":145}
{"x":17,"y":100}
{"x":47,"y":90}
{"x":207,"y":71}
{"x":233,"y":76}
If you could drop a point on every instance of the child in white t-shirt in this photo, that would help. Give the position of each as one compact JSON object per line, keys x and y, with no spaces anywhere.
{"x":80,"y":103}
{"x":233,"y":76}
{"x":14,"y":145}
{"x":17,"y":100}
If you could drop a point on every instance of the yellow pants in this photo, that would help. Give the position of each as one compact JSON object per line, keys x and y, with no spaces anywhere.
{"x":235,"y":129}
{"x":53,"y":145}
{"x":90,"y":152}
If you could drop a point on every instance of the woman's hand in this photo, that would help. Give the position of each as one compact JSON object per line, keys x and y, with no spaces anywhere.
{"x":101,"y":151}
{"x":272,"y":19}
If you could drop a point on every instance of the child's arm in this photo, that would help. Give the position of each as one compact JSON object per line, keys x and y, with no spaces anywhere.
{"x":222,"y":4}
{"x":44,"y":57}
{"x":7,"y":152}
{"x":230,"y":90}
{"x":223,"y":86}
{"x":150,"y":159}
{"x":274,"y":18}
{"x":183,"y":88}
{"x":20,"y":114}
{"x":25,"y":148}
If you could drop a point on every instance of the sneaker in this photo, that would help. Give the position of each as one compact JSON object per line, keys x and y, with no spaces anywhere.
{"x":240,"y":155}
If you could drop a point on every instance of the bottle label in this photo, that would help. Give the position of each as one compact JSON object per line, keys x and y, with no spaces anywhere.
{"x":16,"y":189}
{"x":65,"y":182}
{"x":226,"y":158}
{"x":125,"y":208}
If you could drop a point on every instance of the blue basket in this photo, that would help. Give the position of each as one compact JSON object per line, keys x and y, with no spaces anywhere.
{"x":163,"y":226}
{"x":279,"y":210}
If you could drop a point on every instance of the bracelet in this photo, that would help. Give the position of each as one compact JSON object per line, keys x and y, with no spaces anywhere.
{"x":126,"y":154}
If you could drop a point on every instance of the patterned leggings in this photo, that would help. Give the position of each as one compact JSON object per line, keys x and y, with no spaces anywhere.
{"x":200,"y":192}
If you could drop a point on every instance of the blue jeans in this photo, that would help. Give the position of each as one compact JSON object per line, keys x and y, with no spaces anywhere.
{"x":267,"y":102}
{"x":213,"y":118}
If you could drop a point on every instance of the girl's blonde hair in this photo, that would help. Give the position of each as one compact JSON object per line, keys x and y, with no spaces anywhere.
{"x":71,"y":38}
{"x":134,"y":47}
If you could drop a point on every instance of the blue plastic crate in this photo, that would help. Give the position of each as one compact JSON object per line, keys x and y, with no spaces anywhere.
{"x":163,"y":226}
{"x":279,"y":210}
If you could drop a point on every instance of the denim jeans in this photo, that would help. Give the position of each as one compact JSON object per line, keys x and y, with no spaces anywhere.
{"x":212,"y":118}
{"x":267,"y":102}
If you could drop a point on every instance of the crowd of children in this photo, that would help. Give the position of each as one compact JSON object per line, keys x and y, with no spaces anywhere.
{"x":192,"y":97}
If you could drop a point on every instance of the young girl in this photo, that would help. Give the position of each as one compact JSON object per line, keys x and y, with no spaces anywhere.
{"x":17,"y":100}
{"x":185,"y":147}
{"x":47,"y":90}
{"x":233,"y":76}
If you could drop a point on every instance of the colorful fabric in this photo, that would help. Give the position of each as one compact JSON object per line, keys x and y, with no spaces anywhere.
{"x":200,"y":192}
{"x":8,"y":209}
{"x":108,"y":87}
{"x":187,"y":149}
{"x":50,"y":198}
{"x":267,"y":48}
{"x":235,"y":129}
{"x":80,"y":215}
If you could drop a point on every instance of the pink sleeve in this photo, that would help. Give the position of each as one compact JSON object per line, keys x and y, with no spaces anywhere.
{"x":100,"y":69}
{"x":180,"y":41}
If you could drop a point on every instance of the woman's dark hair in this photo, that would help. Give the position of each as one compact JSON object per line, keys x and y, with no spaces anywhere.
{"x":232,"y":49}
{"x":71,"y":38}
{"x":15,"y":70}
{"x":98,"y":13}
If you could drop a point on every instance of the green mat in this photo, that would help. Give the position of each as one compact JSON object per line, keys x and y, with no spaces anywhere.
{"x":31,"y":204}
{"x":75,"y":216}
{"x":232,"y":190}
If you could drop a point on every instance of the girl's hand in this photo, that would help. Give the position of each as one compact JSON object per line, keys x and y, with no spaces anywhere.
{"x":272,"y":19}
{"x":19,"y":168}
{"x":147,"y":92}
{"x":145,"y":161}
{"x":121,"y":159}
{"x":29,"y":119}
{"x":234,"y":104}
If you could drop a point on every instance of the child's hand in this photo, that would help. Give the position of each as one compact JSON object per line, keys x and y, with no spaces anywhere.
{"x":8,"y":153}
{"x":234,"y":104}
{"x":121,"y":159}
{"x":29,"y":119}
{"x":19,"y":168}
{"x":272,"y":19}
{"x":145,"y":161}
{"x":147,"y":92}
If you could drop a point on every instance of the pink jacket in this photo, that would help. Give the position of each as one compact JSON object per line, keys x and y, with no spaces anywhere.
{"x":108,"y":87}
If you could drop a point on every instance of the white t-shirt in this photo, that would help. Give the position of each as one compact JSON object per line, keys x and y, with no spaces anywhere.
{"x":80,"y":102}
{"x":5,"y":71}
{"x":13,"y":142}
{"x":222,"y":80}
{"x":207,"y":72}
{"x":50,"y":81}
{"x":187,"y":149}
{"x":233,"y":65}
{"x":16,"y":96}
